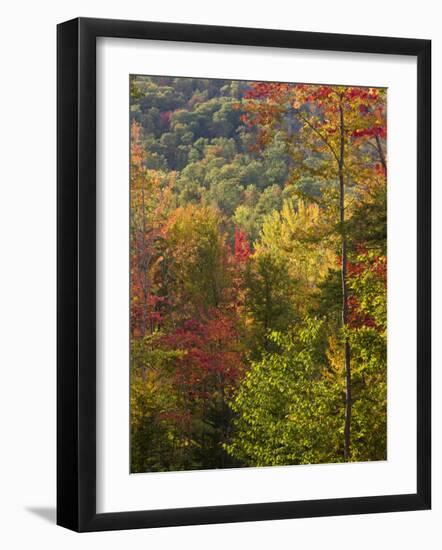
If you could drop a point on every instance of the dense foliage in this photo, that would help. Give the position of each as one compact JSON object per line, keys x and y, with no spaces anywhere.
{"x":258,"y":274}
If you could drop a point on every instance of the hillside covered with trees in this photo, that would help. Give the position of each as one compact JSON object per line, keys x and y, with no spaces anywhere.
{"x":258,"y":274}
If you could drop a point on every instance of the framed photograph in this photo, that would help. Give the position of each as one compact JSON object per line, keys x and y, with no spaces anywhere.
{"x":243,"y":274}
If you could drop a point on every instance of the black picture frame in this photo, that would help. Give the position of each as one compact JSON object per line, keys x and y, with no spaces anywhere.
{"x":77,"y":287}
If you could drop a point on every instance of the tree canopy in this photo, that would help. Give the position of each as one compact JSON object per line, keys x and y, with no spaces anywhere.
{"x":258,"y":265}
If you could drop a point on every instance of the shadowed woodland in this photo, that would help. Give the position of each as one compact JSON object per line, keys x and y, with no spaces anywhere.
{"x":258,"y":274}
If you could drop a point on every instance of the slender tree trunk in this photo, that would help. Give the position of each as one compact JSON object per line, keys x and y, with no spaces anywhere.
{"x":223,"y":417}
{"x":145,"y":283}
{"x":347,"y":366}
{"x":381,"y":155}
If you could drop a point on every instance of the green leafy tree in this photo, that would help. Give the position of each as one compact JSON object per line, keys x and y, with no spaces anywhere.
{"x":288,"y":411}
{"x":268,"y":304}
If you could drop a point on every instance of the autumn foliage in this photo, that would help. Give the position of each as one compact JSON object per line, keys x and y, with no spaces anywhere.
{"x":258,"y":273}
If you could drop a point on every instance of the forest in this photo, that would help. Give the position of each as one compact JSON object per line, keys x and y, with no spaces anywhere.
{"x":258,"y":274}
